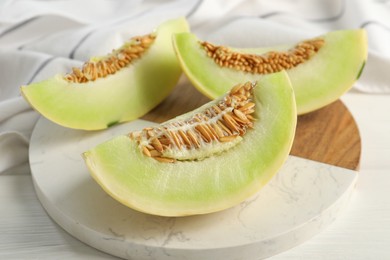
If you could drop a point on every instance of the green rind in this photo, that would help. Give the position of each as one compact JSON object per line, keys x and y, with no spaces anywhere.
{"x":213,"y":184}
{"x":123,"y":96}
{"x":361,"y":70}
{"x":317,"y":82}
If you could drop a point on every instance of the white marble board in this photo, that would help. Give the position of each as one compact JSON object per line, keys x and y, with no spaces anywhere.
{"x":302,"y":199}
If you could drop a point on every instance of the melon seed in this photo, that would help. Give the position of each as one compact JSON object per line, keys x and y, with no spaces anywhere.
{"x":221,"y":123}
{"x":266,"y":63}
{"x":113,"y":62}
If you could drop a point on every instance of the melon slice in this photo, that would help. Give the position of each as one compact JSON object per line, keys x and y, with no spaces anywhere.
{"x":119,"y":87}
{"x":188,"y":179}
{"x":320,"y":69}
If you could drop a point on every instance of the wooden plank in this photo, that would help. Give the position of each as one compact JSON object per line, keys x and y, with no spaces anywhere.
{"x":329,"y":135}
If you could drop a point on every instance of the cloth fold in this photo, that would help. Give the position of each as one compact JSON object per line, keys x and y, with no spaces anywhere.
{"x":41,"y":38}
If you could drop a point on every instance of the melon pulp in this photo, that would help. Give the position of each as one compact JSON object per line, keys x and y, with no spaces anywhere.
{"x":317,"y":82}
{"x":202,"y":186}
{"x":126,"y":95}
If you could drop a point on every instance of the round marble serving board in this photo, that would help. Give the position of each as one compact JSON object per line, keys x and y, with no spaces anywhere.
{"x":307,"y":194}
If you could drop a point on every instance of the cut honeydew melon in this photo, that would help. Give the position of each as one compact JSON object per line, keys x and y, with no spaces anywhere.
{"x":320,"y":69}
{"x":119,"y":87}
{"x":167,"y":182}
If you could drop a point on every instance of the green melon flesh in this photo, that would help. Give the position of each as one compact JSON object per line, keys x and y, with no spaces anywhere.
{"x":123,"y":96}
{"x":212,"y":184}
{"x":317,"y":82}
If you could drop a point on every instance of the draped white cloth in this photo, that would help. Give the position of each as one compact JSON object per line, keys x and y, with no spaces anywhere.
{"x":40,"y":38}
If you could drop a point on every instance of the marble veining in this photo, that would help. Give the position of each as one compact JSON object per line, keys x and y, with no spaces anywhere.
{"x":301,"y":200}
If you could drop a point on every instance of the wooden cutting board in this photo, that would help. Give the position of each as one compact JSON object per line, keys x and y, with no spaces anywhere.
{"x":329,"y":135}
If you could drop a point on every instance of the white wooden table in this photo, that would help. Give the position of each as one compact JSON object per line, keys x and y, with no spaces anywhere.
{"x":361,"y":232}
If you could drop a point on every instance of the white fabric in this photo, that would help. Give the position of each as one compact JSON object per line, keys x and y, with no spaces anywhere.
{"x":40,"y":38}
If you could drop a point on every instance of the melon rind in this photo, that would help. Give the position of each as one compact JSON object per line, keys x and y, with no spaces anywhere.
{"x":212,"y":184}
{"x":123,"y":96}
{"x":317,"y":82}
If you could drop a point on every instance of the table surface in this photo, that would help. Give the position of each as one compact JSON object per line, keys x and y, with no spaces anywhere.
{"x":361,"y":232}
